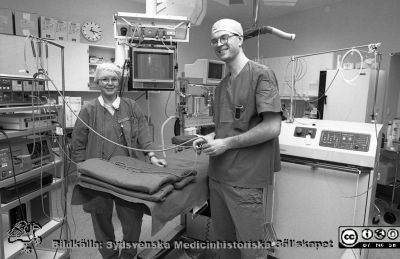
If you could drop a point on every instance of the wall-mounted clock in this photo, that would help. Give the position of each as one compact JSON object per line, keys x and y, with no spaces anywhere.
{"x":91,"y":31}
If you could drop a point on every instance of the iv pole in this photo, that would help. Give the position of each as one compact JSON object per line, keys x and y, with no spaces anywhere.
{"x":371,"y":47}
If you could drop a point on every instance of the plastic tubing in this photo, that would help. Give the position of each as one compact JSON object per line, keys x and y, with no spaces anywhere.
{"x":350,"y":81}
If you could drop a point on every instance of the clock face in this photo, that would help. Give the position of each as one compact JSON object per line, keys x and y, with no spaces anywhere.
{"x":91,"y":31}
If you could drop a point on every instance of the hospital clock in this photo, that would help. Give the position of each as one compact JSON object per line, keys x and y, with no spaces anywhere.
{"x":91,"y":31}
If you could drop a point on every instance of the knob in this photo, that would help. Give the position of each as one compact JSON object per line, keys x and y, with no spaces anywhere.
{"x":298,"y":131}
{"x":308,"y":139}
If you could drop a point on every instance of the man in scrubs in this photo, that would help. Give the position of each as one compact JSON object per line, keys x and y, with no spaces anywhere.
{"x":119,"y":120}
{"x":244,"y":149}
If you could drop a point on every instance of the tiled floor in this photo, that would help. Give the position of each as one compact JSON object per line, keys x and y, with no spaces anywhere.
{"x":80,"y":227}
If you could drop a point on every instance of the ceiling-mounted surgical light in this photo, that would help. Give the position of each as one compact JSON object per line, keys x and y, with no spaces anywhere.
{"x":195,"y":10}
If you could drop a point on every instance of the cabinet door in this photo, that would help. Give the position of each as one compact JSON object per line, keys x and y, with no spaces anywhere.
{"x":342,"y":199}
{"x":12,"y":59}
{"x":76,"y":69}
{"x":348,"y":101}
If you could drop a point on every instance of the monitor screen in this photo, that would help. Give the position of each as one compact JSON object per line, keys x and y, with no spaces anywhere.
{"x":205,"y":71}
{"x":153,"y":66}
{"x":152,"y":69}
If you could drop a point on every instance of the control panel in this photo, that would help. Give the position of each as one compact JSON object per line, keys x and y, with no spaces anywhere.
{"x":155,"y":33}
{"x":5,"y":162}
{"x":345,"y":140}
{"x":26,"y":154}
{"x":302,"y":132}
{"x":20,"y":90}
{"x":143,"y":27}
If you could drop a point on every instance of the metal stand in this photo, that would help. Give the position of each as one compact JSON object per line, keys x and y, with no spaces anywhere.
{"x":63,"y":123}
{"x":372,"y":48}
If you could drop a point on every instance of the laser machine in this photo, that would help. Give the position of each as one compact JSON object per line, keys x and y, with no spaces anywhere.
{"x":327,"y":180}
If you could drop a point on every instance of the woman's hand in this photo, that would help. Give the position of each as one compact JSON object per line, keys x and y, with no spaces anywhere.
{"x":158,"y":162}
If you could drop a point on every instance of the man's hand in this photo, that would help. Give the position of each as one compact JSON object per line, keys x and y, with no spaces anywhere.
{"x":198,"y":143}
{"x":215,"y":147}
{"x":158,"y":162}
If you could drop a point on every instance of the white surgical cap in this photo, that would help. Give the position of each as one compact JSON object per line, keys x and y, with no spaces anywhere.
{"x":228,"y":25}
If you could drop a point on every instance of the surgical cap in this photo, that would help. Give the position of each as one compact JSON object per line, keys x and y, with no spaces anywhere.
{"x":228,"y":25}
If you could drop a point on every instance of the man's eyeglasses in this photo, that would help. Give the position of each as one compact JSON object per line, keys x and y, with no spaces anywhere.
{"x":106,"y":80}
{"x":223,"y":39}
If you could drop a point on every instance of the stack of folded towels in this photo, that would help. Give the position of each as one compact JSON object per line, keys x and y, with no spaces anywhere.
{"x":133,"y":177}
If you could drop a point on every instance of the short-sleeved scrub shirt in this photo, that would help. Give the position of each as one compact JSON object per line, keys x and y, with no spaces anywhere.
{"x":239,"y":102}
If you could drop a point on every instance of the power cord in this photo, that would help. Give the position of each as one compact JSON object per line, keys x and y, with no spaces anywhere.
{"x":351,"y":80}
